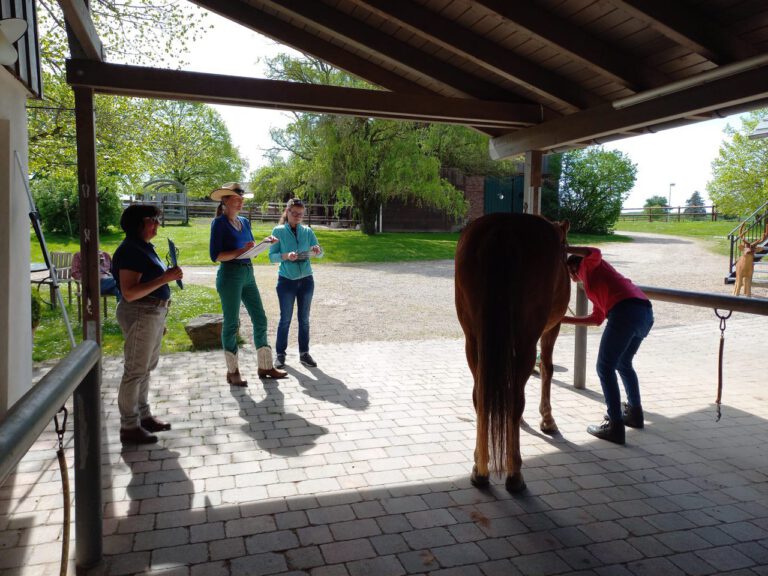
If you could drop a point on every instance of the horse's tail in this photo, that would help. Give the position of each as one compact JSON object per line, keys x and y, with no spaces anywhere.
{"x":498,"y":394}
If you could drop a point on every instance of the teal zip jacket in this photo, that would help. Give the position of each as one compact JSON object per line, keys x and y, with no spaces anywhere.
{"x":301,"y":241}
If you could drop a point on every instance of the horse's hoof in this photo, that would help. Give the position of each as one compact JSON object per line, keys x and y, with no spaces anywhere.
{"x":549,"y":427}
{"x":477,"y":480}
{"x":515,"y":483}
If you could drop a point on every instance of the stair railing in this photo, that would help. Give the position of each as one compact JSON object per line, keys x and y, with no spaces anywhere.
{"x":750,"y":229}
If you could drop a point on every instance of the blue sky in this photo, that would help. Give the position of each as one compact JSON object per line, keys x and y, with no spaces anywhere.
{"x":682,"y":156}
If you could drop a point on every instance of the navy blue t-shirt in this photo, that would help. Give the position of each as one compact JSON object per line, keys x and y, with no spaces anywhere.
{"x":139,"y":256}
{"x":225,"y":237}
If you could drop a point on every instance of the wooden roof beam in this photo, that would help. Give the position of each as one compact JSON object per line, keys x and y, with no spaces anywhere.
{"x":372,"y":41}
{"x":704,"y":36}
{"x":284,"y":33}
{"x":607,"y":60}
{"x":240,"y":91}
{"x":484,"y":53}
{"x":78,"y":17}
{"x":734,"y":91}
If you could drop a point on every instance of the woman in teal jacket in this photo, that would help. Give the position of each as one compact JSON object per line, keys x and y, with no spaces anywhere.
{"x":296,"y":244}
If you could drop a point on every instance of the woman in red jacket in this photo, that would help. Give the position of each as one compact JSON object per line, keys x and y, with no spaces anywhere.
{"x":630,"y":318}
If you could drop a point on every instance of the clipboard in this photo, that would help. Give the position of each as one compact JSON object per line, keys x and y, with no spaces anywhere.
{"x":255,"y":251}
{"x":307,"y":254}
{"x":173,"y":254}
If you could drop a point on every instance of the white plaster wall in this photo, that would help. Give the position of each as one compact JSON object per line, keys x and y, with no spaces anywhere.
{"x":15,"y":307}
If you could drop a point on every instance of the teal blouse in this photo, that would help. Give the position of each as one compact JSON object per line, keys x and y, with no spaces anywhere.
{"x":289,"y":241}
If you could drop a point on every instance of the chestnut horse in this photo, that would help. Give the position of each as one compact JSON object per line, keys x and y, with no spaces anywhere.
{"x":512,"y":289}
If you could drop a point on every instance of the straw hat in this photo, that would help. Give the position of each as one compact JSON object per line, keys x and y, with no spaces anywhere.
{"x":231,"y":189}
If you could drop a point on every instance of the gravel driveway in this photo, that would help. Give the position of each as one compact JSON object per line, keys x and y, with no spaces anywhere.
{"x":414,"y":300}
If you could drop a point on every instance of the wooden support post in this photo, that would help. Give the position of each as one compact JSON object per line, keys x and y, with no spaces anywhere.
{"x":89,"y":212}
{"x":87,"y":397}
{"x":532,"y":182}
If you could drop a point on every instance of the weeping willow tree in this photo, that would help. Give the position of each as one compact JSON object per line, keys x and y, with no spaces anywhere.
{"x":361,"y":162}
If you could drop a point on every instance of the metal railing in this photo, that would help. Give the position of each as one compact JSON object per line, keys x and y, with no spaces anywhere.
{"x":756,"y":224}
{"x":79,"y":373}
{"x":687,"y":298}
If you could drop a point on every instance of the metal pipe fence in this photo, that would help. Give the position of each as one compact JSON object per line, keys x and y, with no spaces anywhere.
{"x":78,"y":373}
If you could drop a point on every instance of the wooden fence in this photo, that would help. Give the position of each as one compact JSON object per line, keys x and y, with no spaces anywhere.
{"x":670,"y":213}
{"x":314,"y":214}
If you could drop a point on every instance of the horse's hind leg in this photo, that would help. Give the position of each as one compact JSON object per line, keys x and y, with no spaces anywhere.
{"x":548,"y":424}
{"x":514,"y":461}
{"x":480,"y":472}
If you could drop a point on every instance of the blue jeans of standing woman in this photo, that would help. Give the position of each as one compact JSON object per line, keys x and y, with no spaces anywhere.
{"x":289,"y":291}
{"x":629,"y":322}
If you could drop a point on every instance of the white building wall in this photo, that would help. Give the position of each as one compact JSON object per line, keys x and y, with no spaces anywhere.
{"x":15,"y":305}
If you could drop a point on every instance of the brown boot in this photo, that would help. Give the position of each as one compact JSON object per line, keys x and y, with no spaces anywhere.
{"x":233,"y":372}
{"x":266,"y":368}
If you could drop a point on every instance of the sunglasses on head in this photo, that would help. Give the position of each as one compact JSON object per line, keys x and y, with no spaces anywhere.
{"x":295,"y":202}
{"x":153,"y":218}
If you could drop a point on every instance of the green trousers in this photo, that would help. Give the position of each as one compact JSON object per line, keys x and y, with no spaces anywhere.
{"x":235,"y":283}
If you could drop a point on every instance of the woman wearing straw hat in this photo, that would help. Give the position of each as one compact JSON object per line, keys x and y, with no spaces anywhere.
{"x":231,"y":239}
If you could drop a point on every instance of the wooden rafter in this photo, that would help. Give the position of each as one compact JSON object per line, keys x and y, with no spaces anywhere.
{"x":295,"y":37}
{"x":372,"y":41}
{"x":240,"y":91}
{"x":606,"y":60}
{"x":738,"y":90}
{"x":704,"y":36}
{"x":78,"y":16}
{"x":483,"y":52}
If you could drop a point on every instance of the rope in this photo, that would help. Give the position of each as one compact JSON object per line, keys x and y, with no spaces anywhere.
{"x":723,"y":318}
{"x":65,"y":486}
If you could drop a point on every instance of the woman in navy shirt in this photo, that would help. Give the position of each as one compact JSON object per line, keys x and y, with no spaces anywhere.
{"x":142,"y":279}
{"x":231,"y":238}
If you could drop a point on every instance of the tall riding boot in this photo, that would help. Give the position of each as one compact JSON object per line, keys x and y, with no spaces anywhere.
{"x":233,"y":372}
{"x":266,"y":368}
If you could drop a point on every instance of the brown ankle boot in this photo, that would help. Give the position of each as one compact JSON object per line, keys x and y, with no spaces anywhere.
{"x":266,"y":368}
{"x":233,"y":372}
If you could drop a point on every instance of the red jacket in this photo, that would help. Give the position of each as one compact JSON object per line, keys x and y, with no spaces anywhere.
{"x":604,"y":286}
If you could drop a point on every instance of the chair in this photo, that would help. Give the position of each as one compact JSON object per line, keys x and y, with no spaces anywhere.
{"x":62,"y":262}
{"x":78,"y":295}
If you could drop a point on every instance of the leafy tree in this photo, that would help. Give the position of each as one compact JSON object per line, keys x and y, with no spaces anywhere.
{"x":740,"y":172}
{"x":656,"y":206}
{"x":190,"y":143}
{"x":695,"y":205}
{"x":135,"y":31}
{"x":593,"y":185}
{"x":362,"y":162}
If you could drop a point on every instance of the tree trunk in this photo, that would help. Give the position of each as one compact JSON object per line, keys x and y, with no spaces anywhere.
{"x":368,"y":207}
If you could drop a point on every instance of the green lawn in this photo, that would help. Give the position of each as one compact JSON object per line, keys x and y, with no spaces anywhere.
{"x":51,"y":340}
{"x":715,"y":234}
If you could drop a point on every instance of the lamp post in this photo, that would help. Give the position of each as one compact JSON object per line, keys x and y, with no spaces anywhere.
{"x":669,"y":202}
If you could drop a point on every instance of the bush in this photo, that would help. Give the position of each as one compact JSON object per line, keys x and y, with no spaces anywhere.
{"x":58,"y":203}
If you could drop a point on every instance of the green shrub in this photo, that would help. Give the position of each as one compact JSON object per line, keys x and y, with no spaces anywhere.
{"x":58,"y":203}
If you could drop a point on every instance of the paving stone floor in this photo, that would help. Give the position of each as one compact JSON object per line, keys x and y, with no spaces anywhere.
{"x":360,"y":467}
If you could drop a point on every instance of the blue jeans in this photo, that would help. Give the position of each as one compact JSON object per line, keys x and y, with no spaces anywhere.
{"x":288,"y":292}
{"x":629,"y":322}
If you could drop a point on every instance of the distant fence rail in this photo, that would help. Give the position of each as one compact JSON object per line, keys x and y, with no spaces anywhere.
{"x":317,"y":214}
{"x":670,"y":213}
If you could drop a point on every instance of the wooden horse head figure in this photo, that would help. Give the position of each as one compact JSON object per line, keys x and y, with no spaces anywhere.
{"x":745,"y":265}
{"x":512,"y":289}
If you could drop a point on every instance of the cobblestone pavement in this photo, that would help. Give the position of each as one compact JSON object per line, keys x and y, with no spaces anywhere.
{"x":360,"y":467}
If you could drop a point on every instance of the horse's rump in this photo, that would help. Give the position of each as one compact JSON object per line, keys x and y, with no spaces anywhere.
{"x":507,"y":267}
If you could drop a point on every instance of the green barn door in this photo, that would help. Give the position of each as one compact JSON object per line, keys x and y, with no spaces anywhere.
{"x":503,"y":194}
